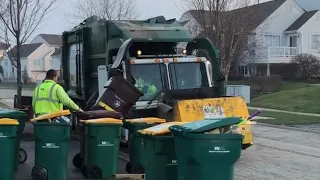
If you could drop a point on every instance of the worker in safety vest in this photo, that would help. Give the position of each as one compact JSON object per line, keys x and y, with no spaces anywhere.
{"x":50,"y":97}
{"x":145,"y":86}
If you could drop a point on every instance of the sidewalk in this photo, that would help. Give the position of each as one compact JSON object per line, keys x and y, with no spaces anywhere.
{"x":288,"y":112}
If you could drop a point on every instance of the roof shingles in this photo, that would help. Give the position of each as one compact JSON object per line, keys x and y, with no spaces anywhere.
{"x":52,"y":39}
{"x":25,"y":50}
{"x":57,"y":52}
{"x":301,"y":20}
{"x":256,"y":14}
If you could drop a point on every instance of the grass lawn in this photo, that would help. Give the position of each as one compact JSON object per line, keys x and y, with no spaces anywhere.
{"x":286,"y":119}
{"x":293,"y":96}
{"x":305,"y":99}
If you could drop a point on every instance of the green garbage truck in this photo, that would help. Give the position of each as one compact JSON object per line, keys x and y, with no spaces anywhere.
{"x":160,"y":51}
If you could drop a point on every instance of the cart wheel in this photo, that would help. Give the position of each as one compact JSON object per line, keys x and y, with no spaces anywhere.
{"x":138,"y":169}
{"x":23,"y":156}
{"x":94,"y":172}
{"x":39,"y":173}
{"x":83,"y":170}
{"x":128,"y":167}
{"x":77,"y":161}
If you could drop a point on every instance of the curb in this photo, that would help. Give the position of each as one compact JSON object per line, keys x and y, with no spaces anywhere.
{"x":289,"y":128}
{"x":287,"y":112}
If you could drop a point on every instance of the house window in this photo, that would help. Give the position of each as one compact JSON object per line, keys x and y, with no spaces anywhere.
{"x":6,"y":63}
{"x":315,"y":42}
{"x":273,"y":40}
{"x":243,"y":70}
{"x":318,"y":16}
{"x":37,"y":63}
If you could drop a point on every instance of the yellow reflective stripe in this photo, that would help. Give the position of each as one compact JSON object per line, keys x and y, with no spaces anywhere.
{"x":48,"y":98}
{"x":106,"y":107}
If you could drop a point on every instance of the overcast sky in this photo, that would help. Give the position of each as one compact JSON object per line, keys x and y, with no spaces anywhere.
{"x":56,"y":22}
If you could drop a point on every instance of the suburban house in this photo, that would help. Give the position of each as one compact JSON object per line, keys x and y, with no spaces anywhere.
{"x":37,"y":57}
{"x":282,"y":30}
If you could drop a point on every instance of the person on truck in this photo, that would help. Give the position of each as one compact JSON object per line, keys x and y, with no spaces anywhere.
{"x":50,"y":97}
{"x":144,"y":84}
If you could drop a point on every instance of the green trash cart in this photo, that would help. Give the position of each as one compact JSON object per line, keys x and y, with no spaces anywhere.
{"x":51,"y":150}
{"x":8,"y":133}
{"x":102,"y":143}
{"x":21,"y":117}
{"x":210,"y":154}
{"x":137,"y":158}
{"x":159,"y":150}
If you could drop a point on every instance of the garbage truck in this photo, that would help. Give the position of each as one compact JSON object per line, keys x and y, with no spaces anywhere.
{"x":184,"y":70}
{"x":162,"y":51}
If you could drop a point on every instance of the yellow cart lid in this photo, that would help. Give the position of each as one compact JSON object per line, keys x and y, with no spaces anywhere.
{"x":51,"y":115}
{"x":148,"y":120}
{"x":161,"y":128}
{"x":102,"y":121}
{"x":7,"y":121}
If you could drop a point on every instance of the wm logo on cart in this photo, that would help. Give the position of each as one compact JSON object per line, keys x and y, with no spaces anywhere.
{"x":50,"y":145}
{"x":219,"y":149}
{"x":105,"y":143}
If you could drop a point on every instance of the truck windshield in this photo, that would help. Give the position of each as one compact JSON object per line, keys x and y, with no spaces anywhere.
{"x":188,"y":75}
{"x":150,"y":79}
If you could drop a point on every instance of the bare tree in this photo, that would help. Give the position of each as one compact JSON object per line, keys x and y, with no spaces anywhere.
{"x":109,"y":9}
{"x":19,"y":19}
{"x":230,"y":30}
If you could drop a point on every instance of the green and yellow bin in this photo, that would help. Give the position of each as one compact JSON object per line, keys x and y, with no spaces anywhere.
{"x":8,"y":134}
{"x":102,"y":137}
{"x":21,"y":117}
{"x":207,"y":149}
{"x":51,"y":147}
{"x":137,"y":158}
{"x":159,"y":151}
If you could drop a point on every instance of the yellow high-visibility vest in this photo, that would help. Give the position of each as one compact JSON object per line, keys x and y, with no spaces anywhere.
{"x":45,"y":99}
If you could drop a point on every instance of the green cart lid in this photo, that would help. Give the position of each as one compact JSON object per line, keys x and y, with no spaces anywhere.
{"x":11,"y":113}
{"x":206,"y":125}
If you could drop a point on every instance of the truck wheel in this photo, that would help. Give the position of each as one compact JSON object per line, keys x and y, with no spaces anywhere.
{"x":39,"y":173}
